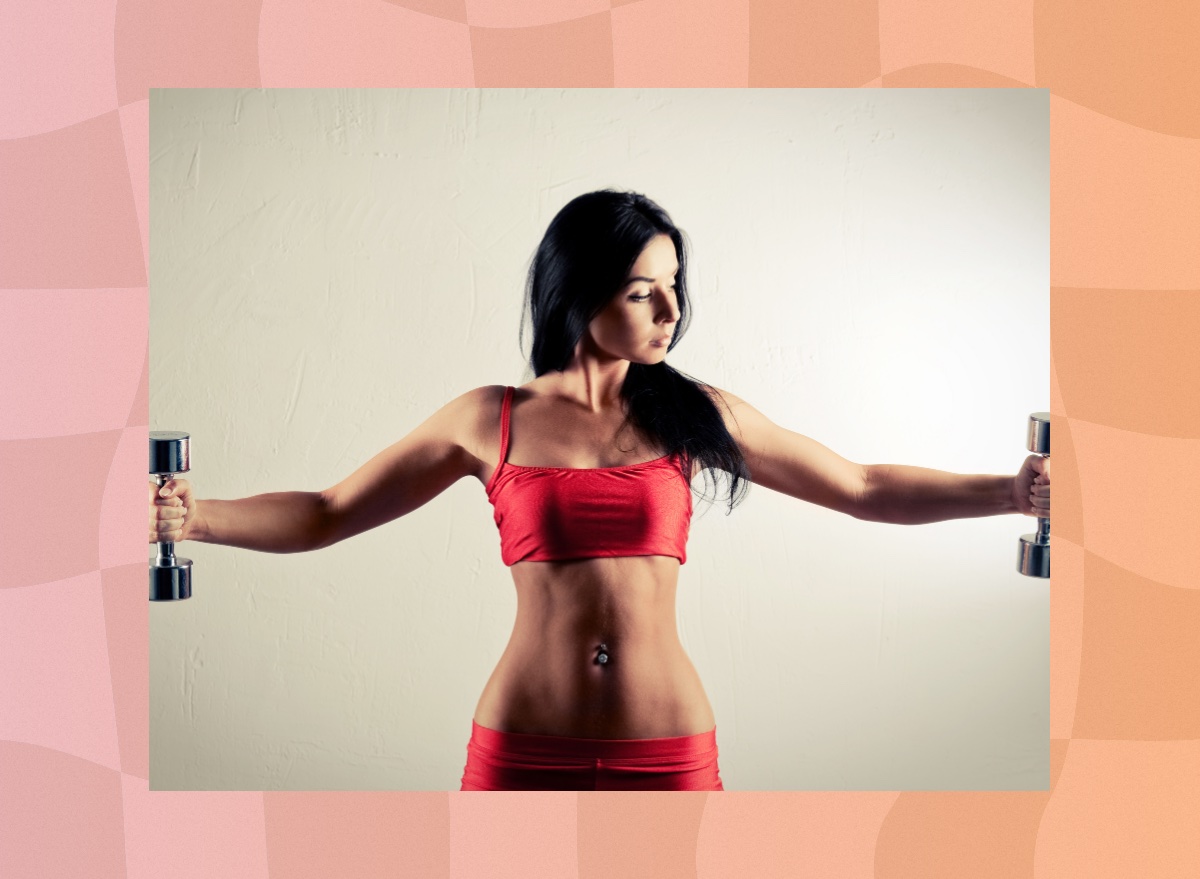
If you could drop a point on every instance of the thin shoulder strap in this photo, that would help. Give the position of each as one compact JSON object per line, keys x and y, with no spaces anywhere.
{"x":505,"y":408}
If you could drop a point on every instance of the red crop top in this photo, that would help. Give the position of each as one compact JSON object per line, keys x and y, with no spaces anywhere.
{"x":550,"y":514}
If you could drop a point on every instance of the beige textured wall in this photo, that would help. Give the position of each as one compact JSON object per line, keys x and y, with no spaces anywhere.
{"x":870,"y":268}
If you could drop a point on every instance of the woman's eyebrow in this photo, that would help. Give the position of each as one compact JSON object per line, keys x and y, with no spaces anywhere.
{"x":648,"y":280}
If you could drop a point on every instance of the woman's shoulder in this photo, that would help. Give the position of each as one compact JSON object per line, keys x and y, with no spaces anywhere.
{"x":721,"y":398}
{"x":478,"y":406}
{"x":483,"y":395}
{"x":477,"y":413}
{"x":482,"y":405}
{"x":493,"y":395}
{"x":725,"y":402}
{"x":745,"y":423}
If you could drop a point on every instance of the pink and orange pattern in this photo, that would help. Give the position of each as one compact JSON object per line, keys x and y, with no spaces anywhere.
{"x":1124,"y":797}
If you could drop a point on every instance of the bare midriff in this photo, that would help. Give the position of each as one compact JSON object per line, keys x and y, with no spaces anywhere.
{"x":552,"y":678}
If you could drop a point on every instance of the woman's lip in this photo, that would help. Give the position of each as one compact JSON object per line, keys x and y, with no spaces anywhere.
{"x":661,"y":341}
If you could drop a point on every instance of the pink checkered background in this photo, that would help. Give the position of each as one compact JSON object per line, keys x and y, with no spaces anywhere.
{"x":1124,"y":798}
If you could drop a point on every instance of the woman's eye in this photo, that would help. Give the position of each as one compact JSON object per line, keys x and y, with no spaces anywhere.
{"x":642,"y":298}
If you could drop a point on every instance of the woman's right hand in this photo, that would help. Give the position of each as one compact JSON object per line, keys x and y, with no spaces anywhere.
{"x":172,"y":511}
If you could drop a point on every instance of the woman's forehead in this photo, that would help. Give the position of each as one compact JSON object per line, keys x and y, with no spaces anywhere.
{"x":655,"y":262}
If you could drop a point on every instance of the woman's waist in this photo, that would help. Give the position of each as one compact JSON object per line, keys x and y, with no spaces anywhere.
{"x":633,"y":687}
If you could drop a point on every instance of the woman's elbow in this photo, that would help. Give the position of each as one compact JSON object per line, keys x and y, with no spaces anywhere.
{"x":867,"y":500}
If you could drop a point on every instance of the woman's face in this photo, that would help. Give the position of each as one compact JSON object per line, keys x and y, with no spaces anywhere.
{"x":637,"y":324}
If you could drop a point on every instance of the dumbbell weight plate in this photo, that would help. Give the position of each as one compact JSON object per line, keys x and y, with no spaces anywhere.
{"x":1033,"y":558}
{"x":170,"y":452}
{"x":1037,"y":438}
{"x":172,"y":581}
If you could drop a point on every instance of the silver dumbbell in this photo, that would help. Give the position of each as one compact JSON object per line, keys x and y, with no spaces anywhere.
{"x":1033,"y":559}
{"x":170,"y":577}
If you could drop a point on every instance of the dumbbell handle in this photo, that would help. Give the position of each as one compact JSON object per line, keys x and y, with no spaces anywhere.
{"x":1043,"y":531}
{"x":1039,"y":443}
{"x":166,"y":548}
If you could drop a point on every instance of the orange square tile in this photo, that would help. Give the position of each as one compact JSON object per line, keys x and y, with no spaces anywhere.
{"x":568,"y":54}
{"x":682,"y":44}
{"x":993,"y":37}
{"x":1133,"y":62}
{"x":1140,"y":664}
{"x":812,"y":44}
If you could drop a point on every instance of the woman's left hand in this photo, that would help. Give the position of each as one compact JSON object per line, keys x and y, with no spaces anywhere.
{"x":1031,"y":487}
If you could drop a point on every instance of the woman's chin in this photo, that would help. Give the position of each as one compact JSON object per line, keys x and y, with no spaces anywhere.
{"x":656,"y":355}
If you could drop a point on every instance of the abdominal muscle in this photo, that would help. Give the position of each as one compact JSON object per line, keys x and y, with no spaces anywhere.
{"x":548,"y":680}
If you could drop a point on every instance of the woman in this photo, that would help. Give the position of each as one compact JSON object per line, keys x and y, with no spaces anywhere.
{"x":589,"y":468}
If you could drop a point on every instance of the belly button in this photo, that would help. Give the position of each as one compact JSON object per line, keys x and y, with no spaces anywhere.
{"x":602,"y":656}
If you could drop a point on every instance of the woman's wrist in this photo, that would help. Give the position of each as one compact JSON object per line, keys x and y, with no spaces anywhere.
{"x":1013,"y":504}
{"x":196,"y":528}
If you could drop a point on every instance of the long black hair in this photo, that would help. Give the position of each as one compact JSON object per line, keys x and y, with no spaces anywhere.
{"x":580,"y":265}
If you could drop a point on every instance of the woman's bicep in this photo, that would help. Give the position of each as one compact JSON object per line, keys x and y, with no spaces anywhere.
{"x":406,"y":475}
{"x":794,"y":464}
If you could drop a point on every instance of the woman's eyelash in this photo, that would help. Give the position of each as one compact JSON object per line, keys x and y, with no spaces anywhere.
{"x":644,"y":297}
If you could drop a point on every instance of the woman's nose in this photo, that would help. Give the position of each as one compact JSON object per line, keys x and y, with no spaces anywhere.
{"x":670,"y":308}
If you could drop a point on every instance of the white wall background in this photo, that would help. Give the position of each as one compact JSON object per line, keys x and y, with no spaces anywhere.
{"x":870,"y":268}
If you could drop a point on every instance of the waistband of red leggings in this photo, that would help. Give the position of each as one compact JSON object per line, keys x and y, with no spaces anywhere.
{"x":567,"y":746}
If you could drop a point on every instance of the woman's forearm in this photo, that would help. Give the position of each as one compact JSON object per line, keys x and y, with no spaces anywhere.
{"x":287,"y":521}
{"x":904,"y":495}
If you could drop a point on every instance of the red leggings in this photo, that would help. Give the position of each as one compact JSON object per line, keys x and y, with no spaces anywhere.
{"x":519,"y":761}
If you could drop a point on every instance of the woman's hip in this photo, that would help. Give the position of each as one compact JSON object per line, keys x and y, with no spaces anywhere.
{"x":520,"y":761}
